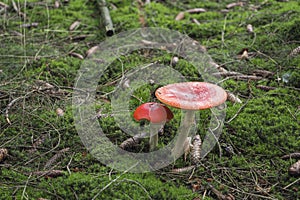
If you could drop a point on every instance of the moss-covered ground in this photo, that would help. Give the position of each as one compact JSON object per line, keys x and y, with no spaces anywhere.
{"x":39,"y":59}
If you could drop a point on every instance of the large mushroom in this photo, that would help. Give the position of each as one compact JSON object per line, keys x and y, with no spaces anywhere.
{"x":190,"y":96}
{"x":157,"y":114}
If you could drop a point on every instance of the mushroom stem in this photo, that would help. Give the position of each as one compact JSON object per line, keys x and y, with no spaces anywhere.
{"x":184,"y":130}
{"x":154,"y":129}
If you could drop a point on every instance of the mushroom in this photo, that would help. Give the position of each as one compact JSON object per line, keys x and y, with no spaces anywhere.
{"x":190,"y":96}
{"x":157,"y":114}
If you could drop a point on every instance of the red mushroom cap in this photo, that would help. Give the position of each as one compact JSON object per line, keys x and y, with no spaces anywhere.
{"x":192,"y":95}
{"x":153,"y":112}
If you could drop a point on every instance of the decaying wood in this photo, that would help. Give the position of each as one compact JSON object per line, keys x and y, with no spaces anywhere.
{"x":231,"y":97}
{"x":131,"y":142}
{"x":292,"y":155}
{"x":3,"y":154}
{"x":196,"y":149}
{"x":295,"y":52}
{"x":55,"y":157}
{"x":49,"y":173}
{"x":295,"y":169}
{"x":183,"y":169}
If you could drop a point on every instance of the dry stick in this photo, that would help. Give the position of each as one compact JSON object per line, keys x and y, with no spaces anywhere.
{"x":49,"y":173}
{"x":55,"y":157}
{"x":289,"y":185}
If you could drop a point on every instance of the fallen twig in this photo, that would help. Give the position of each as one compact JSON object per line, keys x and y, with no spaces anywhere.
{"x":231,"y":97}
{"x":183,"y":169}
{"x":265,"y":88}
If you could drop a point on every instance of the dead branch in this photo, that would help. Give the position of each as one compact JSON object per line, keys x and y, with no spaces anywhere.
{"x":263,"y":73}
{"x":219,"y":195}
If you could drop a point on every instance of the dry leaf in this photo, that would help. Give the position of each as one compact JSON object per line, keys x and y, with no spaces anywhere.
{"x":180,"y":16}
{"x":74,"y":25}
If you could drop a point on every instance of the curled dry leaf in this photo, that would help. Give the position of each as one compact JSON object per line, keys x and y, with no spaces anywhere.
{"x":295,"y":169}
{"x":180,"y":16}
{"x":60,"y":112}
{"x":92,"y":50}
{"x":3,"y":154}
{"x":250,"y":28}
{"x":295,"y":52}
{"x":231,"y":97}
{"x":74,"y":25}
{"x":231,"y":5}
{"x":196,"y":10}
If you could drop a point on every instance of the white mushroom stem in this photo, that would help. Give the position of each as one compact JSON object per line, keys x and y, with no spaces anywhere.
{"x":184,"y":130}
{"x":154,"y":129}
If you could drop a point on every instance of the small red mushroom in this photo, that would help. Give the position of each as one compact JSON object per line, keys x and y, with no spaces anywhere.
{"x":157,"y":114}
{"x":190,"y":96}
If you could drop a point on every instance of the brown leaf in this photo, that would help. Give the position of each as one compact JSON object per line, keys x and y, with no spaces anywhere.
{"x":180,"y":16}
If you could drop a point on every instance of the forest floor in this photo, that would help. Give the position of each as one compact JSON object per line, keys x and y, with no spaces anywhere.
{"x":45,"y":46}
